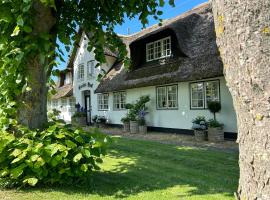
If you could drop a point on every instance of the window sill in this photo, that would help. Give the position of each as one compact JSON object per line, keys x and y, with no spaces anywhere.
{"x":167,"y":108}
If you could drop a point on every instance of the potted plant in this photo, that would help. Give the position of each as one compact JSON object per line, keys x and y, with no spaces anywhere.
{"x":79,"y":118}
{"x":125,"y":121}
{"x":101,"y":121}
{"x":142,"y":125}
{"x":133,"y":112}
{"x":199,"y":127}
{"x":133,"y":123}
{"x":215,"y":131}
{"x":215,"y":128}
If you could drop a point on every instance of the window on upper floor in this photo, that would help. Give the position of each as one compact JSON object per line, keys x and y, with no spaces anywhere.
{"x":167,"y":97}
{"x":203,"y":92}
{"x":68,"y":78}
{"x":103,"y":101}
{"x":158,"y":49}
{"x":80,"y":73}
{"x":119,"y":100}
{"x":90,"y":68}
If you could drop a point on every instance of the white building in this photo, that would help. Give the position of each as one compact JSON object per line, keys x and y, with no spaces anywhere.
{"x":177,"y":65}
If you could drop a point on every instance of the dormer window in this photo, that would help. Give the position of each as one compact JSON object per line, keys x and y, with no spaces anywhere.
{"x":158,"y":49}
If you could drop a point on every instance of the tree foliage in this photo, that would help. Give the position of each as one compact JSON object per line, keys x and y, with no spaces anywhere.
{"x":29,"y":32}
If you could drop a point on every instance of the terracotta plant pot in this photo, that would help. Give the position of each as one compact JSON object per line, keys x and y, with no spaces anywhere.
{"x":215,"y":134}
{"x":126,"y":127}
{"x":199,"y":135}
{"x":143,"y":129}
{"x":134,"y":127}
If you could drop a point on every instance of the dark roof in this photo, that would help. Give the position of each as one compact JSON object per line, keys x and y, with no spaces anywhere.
{"x":64,"y":91}
{"x":196,"y":38}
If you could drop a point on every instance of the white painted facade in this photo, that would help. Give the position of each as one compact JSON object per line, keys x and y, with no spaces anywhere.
{"x":180,"y":118}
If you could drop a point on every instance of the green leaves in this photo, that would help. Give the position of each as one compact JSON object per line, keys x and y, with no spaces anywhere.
{"x":30,"y":181}
{"x":56,"y":154}
{"x":77,"y":158}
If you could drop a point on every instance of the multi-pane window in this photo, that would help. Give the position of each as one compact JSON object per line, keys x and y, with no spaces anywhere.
{"x":119,"y":100}
{"x":90,"y":68}
{"x":68,"y":78}
{"x":158,"y":49}
{"x":55,"y":104}
{"x":64,"y":104}
{"x":81,"y":72}
{"x":167,"y":97}
{"x":203,"y":92}
{"x":103,"y":101}
{"x":72,"y":102}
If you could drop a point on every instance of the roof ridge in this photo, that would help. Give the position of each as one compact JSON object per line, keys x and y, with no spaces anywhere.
{"x":167,"y":21}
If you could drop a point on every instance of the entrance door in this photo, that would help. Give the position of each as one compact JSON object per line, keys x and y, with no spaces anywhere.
{"x":87,"y":100}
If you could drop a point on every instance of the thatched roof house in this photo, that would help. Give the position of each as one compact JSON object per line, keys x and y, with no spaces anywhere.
{"x":194,"y":54}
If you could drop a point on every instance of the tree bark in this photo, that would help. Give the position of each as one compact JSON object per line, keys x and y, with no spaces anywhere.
{"x":32,"y":111}
{"x":242,"y":29}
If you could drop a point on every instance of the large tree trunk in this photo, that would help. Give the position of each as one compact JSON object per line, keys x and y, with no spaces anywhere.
{"x":242,"y":29}
{"x":33,"y":111}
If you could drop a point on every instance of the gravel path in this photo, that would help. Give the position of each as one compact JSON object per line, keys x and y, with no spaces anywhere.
{"x":176,"y":139}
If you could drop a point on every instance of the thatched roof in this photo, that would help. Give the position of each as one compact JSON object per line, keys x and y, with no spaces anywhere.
{"x":64,"y":91}
{"x":196,"y":39}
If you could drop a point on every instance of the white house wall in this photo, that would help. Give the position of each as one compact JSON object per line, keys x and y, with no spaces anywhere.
{"x":180,"y":118}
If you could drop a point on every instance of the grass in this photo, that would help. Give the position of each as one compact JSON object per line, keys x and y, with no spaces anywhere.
{"x":136,"y":169}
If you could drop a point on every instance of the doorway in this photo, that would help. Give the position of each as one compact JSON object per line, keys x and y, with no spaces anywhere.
{"x":87,"y":105}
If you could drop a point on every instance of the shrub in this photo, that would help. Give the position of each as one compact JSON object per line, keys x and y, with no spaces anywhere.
{"x":125,"y":119}
{"x":214,"y":107}
{"x":79,"y":114}
{"x":212,"y":123}
{"x":58,"y":154}
{"x":199,"y":123}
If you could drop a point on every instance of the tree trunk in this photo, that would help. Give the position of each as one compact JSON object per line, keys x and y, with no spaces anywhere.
{"x":242,"y":29}
{"x":33,"y":111}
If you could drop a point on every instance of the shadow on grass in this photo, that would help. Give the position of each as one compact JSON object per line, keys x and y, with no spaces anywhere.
{"x":134,"y":166}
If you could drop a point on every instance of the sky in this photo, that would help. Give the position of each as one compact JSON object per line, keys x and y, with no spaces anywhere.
{"x":134,"y":25}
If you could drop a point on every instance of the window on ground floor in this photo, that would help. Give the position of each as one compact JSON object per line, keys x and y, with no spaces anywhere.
{"x":72,"y":102}
{"x":64,"y":104}
{"x":167,"y":97}
{"x":119,"y":100}
{"x":55,"y":104}
{"x":103,"y":101}
{"x":203,"y":92}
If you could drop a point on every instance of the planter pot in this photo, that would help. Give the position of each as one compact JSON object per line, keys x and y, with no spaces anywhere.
{"x":215,"y":134}
{"x":200,"y":135}
{"x":143,"y":129}
{"x":79,"y":121}
{"x":126,"y":127}
{"x":101,"y":125}
{"x":134,"y":127}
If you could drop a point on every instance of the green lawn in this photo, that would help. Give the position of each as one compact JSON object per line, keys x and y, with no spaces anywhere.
{"x":137,"y":169}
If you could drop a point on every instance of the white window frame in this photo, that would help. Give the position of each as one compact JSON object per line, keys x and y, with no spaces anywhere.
{"x":67,"y":79}
{"x":90,"y":68}
{"x":103,"y":101}
{"x":64,"y":104}
{"x":204,"y":93}
{"x":117,"y":100}
{"x":80,"y":72}
{"x":71,"y":104}
{"x":167,"y":98}
{"x":162,"y":41}
{"x":55,"y":104}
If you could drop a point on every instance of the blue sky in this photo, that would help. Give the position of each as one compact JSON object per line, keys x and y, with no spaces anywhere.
{"x":134,"y":25}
